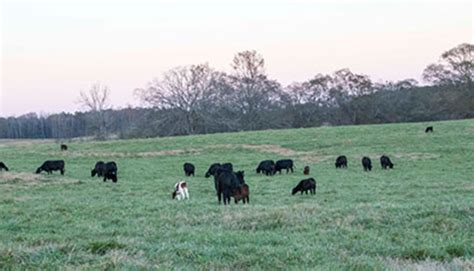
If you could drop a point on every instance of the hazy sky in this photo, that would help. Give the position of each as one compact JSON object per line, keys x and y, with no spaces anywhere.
{"x":53,"y":49}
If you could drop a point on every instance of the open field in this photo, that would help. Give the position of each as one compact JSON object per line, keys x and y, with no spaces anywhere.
{"x":420,"y":215}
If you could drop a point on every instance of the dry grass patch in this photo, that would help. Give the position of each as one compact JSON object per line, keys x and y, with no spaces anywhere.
{"x":127,"y":154}
{"x":417,"y":155}
{"x":13,"y":178}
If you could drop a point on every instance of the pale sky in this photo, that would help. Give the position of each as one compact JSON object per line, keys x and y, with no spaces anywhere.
{"x":51,"y":50}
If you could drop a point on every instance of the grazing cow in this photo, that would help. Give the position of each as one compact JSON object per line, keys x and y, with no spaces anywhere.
{"x":99,"y":169}
{"x":188,"y":169}
{"x":3,"y":166}
{"x":110,"y":172}
{"x":284,"y":164}
{"x":63,"y":147}
{"x":243,"y":192}
{"x":226,"y":183}
{"x":267,"y":167}
{"x":305,"y":186}
{"x":385,"y":162}
{"x":366,"y":163}
{"x":429,"y":129}
{"x":212,"y":170}
{"x":51,"y":165}
{"x":341,"y":162}
{"x":306,"y":170}
{"x":180,"y":191}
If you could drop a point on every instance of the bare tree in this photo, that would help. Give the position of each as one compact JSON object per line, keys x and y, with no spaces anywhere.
{"x":97,"y":100}
{"x":254,"y":93}
{"x":182,"y":92}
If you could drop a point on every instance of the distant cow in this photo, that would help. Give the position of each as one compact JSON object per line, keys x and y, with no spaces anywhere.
{"x":243,"y":192}
{"x":180,"y":191}
{"x":385,"y":162}
{"x":306,"y":170}
{"x":226,"y":184}
{"x":3,"y":166}
{"x":266,"y":167}
{"x":429,"y":129}
{"x":212,"y":170}
{"x":110,"y":172}
{"x":188,"y":169}
{"x":51,"y":165}
{"x":366,"y":163}
{"x":99,"y":169}
{"x":63,"y":147}
{"x":305,"y":186}
{"x":284,"y":164}
{"x":341,"y":162}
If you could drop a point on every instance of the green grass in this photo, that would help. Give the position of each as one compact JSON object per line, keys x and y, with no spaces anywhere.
{"x":420,"y":215}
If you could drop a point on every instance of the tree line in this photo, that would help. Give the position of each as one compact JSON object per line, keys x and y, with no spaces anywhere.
{"x":198,"y":99}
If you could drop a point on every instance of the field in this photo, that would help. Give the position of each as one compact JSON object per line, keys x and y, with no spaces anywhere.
{"x":420,"y":215}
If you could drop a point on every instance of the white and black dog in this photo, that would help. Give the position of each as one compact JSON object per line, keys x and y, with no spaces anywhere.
{"x":180,"y":191}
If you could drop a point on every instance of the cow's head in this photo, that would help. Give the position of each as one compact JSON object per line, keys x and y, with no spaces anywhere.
{"x":38,"y":170}
{"x":114,"y":178}
{"x":295,"y":190}
{"x":93,"y":172}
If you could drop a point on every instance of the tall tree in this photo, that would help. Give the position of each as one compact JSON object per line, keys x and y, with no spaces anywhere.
{"x":253,"y":91}
{"x":97,"y":100}
{"x":456,"y":66}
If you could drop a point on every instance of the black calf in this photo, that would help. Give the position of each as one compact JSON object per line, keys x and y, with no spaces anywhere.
{"x":188,"y":169}
{"x":305,"y":186}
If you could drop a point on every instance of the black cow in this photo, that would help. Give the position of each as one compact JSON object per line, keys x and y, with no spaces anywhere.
{"x":385,"y":162}
{"x":306,"y":170}
{"x":341,"y":161}
{"x":284,"y":164}
{"x":226,"y":184}
{"x":3,"y":166}
{"x":63,"y":147}
{"x":188,"y":169}
{"x":51,"y":165}
{"x":429,"y":129}
{"x":266,"y":167}
{"x":305,"y":186}
{"x":99,"y":169}
{"x":366,"y":163}
{"x":212,"y":170}
{"x":110,"y":172}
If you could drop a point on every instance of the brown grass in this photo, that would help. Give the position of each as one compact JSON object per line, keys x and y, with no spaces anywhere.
{"x":127,"y":154}
{"x":14,"y":178}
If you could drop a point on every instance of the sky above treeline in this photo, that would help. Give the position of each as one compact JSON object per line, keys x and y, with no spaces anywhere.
{"x":51,"y":50}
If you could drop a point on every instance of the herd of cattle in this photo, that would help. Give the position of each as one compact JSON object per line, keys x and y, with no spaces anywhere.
{"x":227,"y":182}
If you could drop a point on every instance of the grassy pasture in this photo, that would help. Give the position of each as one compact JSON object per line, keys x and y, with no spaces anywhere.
{"x":418,"y":216}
